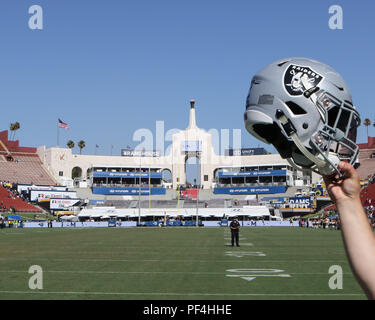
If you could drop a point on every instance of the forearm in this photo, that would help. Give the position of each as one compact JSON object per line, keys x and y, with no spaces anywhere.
{"x":359,"y":241}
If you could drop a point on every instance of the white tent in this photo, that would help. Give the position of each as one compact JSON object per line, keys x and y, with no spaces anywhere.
{"x":247,"y":211}
{"x":69,"y":218}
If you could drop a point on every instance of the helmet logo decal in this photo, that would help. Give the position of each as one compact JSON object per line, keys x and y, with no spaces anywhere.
{"x":296,"y":77}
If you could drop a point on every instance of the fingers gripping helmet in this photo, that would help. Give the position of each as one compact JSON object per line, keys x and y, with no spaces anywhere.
{"x":304,"y":109}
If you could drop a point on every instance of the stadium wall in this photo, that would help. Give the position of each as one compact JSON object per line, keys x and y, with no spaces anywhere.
{"x":188,"y":143}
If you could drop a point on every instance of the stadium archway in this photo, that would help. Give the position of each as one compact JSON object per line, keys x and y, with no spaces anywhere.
{"x":216,"y":173}
{"x":166,"y":175}
{"x":76,"y":173}
{"x":193,"y":170}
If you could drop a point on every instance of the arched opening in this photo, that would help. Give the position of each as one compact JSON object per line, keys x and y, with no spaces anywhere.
{"x":76,"y":173}
{"x":166,"y":176}
{"x":88,"y":172}
{"x":192,"y":172}
{"x":215,"y":177}
{"x":216,"y":173}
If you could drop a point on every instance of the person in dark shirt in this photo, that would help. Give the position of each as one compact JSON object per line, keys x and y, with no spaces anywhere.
{"x":235,"y":230}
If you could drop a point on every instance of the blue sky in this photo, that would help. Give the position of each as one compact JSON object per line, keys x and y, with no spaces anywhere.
{"x":108,"y":68}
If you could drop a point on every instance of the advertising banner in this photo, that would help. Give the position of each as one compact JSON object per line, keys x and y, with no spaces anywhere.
{"x":128,"y":191}
{"x":140,"y":153}
{"x":48,"y":194}
{"x":127,"y":175}
{"x":299,"y":202}
{"x":68,"y":224}
{"x":261,"y":173}
{"x":27,"y":187}
{"x":57,"y":204}
{"x":250,"y":190}
{"x":245,"y":152}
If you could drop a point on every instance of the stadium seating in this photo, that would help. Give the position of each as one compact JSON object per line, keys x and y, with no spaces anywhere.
{"x":367,"y":166}
{"x":25,"y":168}
{"x":367,"y":197}
{"x":8,"y":200}
{"x":365,"y":171}
{"x":366,"y":158}
{"x":21,"y":164}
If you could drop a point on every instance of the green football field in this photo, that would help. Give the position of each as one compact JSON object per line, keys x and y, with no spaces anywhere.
{"x":174,"y":263}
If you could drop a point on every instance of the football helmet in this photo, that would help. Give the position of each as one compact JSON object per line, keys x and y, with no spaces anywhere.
{"x":304,"y":109}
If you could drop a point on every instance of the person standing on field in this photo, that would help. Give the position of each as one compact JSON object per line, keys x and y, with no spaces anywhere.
{"x":235,"y":230}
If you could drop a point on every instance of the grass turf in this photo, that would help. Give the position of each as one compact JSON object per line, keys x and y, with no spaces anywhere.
{"x":174,"y":263}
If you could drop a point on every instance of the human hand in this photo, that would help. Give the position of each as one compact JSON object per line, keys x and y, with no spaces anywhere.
{"x":348,"y":187}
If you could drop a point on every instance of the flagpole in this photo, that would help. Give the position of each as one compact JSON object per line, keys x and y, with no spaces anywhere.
{"x":58,"y":134}
{"x":149,"y":186}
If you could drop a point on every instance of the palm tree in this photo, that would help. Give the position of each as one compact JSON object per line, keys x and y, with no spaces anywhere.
{"x":13,"y":128}
{"x":17,"y":127}
{"x":366,"y":123}
{"x":81,"y":144}
{"x":70,"y":144}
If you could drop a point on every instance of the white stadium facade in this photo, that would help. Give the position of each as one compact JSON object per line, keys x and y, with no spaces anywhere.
{"x":239,"y":174}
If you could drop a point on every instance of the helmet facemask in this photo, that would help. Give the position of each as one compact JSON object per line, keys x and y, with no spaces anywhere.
{"x":333,"y":142}
{"x":336,"y":140}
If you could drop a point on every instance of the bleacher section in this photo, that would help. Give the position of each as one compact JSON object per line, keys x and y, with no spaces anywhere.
{"x":21,"y":164}
{"x":367,"y":196}
{"x":367,"y":158}
{"x":367,"y":161}
{"x":25,"y":169}
{"x":8,"y":200}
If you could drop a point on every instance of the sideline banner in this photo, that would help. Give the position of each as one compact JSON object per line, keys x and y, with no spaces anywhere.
{"x":254,"y":223}
{"x":128,"y":224}
{"x":68,"y":224}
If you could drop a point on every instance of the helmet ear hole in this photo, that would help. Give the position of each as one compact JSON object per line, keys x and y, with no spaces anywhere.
{"x":295,"y":108}
{"x":273,"y":135}
{"x":268,"y":132}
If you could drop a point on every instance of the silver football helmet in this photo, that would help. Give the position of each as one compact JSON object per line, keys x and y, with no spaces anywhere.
{"x":304,"y":109}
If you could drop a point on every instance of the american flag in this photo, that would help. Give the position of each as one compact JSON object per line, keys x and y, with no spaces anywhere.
{"x":62,"y":124}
